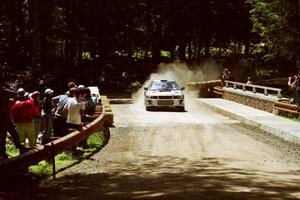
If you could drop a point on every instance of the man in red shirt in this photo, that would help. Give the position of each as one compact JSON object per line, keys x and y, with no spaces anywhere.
{"x":23,"y":113}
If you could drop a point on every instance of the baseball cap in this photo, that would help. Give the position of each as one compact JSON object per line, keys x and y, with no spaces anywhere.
{"x":48,"y":91}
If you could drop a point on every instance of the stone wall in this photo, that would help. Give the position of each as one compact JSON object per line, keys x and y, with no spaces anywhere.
{"x":255,"y":101}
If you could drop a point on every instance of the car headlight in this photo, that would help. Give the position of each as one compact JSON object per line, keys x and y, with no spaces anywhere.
{"x":179,"y":97}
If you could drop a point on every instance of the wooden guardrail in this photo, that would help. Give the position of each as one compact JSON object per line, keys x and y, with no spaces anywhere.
{"x":49,"y":150}
{"x":218,"y":90}
{"x":245,"y":86}
{"x":286,"y":107}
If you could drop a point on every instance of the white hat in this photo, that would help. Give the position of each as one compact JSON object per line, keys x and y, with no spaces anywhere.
{"x":21,"y":92}
{"x":48,"y":91}
{"x":80,"y":86}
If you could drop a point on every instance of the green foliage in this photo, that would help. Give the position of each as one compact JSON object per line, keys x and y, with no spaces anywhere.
{"x":44,"y":168}
{"x":138,"y":29}
{"x":265,"y":73}
{"x":95,"y":140}
{"x":65,"y":159}
{"x":11,"y":150}
{"x":274,"y":21}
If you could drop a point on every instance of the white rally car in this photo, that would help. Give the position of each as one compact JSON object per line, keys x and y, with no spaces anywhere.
{"x":164,"y":93}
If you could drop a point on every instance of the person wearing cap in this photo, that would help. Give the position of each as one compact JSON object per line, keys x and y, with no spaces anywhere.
{"x":23,"y":114}
{"x":47,"y":115}
{"x":22,"y":95}
{"x":6,"y":122}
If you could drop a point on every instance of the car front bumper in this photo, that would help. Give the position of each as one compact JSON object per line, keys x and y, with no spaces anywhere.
{"x":149,"y":102}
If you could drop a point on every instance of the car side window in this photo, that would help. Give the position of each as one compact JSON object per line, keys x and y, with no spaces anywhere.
{"x":154,"y":86}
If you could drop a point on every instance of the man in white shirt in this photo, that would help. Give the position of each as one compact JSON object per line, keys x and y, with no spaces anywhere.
{"x":75,"y":108}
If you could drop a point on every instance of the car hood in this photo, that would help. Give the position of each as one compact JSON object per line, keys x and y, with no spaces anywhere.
{"x":164,"y":93}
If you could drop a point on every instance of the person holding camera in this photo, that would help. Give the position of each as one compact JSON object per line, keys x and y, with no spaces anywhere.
{"x":296,"y":84}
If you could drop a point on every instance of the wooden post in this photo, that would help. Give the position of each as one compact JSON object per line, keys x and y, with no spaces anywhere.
{"x":53,"y":160}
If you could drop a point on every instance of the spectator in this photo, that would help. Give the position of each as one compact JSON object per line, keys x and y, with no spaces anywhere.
{"x":47,"y":115}
{"x":292,"y":90}
{"x":90,"y":105}
{"x":21,"y":95}
{"x":71,"y":85}
{"x":60,"y":116}
{"x":23,"y":113}
{"x":296,"y":85}
{"x":18,"y":82}
{"x":35,"y":97}
{"x":249,"y":81}
{"x":227,"y":75}
{"x":75,"y":108}
{"x":6,"y":123}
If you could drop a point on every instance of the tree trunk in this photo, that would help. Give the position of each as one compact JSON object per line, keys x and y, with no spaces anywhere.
{"x":182,"y":48}
{"x":35,"y":41}
{"x":12,"y":51}
{"x":71,"y":43}
{"x":247,"y":47}
{"x":45,"y":10}
{"x":156,"y":45}
{"x":297,"y":35}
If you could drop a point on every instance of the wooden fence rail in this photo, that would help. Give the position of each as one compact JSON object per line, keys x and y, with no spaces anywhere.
{"x":49,"y":150}
{"x":286,"y":107}
{"x":218,"y":90}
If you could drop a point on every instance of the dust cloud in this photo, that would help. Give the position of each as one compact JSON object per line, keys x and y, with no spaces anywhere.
{"x":181,"y":73}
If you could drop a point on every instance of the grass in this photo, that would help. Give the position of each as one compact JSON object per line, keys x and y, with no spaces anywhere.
{"x":63,"y":160}
{"x":11,"y":149}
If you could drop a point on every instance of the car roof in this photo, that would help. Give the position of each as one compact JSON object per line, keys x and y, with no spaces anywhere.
{"x":162,"y":80}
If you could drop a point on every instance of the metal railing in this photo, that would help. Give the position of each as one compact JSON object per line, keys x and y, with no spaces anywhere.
{"x":245,"y":86}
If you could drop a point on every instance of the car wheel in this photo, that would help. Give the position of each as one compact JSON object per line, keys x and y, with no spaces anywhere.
{"x":148,"y":108}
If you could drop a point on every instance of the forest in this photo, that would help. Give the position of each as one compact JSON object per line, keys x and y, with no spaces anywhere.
{"x":96,"y":40}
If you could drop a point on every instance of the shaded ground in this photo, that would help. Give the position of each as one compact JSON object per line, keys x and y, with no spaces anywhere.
{"x":196,"y":154}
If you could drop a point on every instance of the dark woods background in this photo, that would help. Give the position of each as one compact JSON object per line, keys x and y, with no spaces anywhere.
{"x":95,"y":41}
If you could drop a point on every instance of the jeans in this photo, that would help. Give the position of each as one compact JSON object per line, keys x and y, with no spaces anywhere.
{"x":48,"y":120}
{"x":37,"y":124}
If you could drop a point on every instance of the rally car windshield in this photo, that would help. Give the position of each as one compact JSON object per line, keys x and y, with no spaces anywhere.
{"x":164,"y":86}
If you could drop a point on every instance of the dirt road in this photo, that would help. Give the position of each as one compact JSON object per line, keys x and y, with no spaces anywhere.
{"x":198,"y":154}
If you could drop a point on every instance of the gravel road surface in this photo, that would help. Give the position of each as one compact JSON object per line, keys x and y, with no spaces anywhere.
{"x":197,"y":154}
